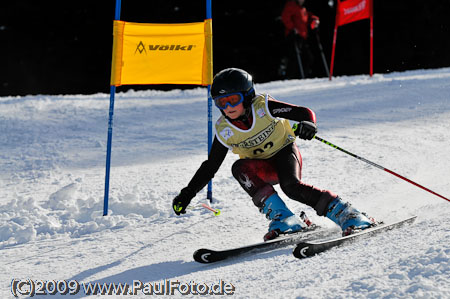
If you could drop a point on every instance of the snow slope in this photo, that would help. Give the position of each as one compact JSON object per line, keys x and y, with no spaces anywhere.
{"x":52,"y":166}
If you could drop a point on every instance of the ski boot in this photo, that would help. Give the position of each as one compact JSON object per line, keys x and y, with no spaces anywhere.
{"x":283,"y":221}
{"x":347,"y":217}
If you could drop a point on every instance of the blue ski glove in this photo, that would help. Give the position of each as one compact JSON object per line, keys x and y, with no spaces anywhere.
{"x":182,"y":200}
{"x":305,"y":130}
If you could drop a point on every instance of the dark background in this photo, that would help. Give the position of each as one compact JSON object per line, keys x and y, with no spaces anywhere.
{"x":64,"y":47}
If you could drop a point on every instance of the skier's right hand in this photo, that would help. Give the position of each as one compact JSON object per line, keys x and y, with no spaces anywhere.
{"x":182,"y":200}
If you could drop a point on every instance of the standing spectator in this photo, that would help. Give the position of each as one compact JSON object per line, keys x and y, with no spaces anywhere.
{"x":298,"y":22}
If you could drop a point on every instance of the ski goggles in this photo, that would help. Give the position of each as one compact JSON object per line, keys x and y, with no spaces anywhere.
{"x":231,"y":100}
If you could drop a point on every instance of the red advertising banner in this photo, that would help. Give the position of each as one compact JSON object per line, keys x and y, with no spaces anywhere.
{"x":353,"y":10}
{"x":349,"y":11}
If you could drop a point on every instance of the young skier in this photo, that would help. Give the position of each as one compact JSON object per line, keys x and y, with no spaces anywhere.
{"x":256,"y":127}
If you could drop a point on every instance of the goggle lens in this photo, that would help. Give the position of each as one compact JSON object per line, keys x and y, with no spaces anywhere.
{"x":231,"y":100}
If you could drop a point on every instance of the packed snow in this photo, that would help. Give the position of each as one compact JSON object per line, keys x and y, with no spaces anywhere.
{"x":52,"y":177}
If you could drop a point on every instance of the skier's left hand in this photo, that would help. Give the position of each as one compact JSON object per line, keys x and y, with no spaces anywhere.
{"x":182,"y":200}
{"x":315,"y":24}
{"x":306,"y":130}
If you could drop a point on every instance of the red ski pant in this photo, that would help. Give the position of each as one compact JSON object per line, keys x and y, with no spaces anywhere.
{"x":257,"y":177}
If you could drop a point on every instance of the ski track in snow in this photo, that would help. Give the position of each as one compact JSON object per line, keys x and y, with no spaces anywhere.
{"x":52,"y":168}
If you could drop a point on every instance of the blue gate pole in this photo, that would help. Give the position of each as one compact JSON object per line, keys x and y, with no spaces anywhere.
{"x":209,"y":192}
{"x":110,"y":126}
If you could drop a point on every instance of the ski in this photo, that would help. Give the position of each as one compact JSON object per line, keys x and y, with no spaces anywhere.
{"x":310,"y":248}
{"x":206,"y":256}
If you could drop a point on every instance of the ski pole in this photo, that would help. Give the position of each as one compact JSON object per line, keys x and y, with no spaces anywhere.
{"x":324,"y":60}
{"x":379,"y":166}
{"x":215,"y":211}
{"x":299,"y":59}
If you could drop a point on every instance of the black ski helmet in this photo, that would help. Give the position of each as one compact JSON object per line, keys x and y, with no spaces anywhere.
{"x":233,"y":80}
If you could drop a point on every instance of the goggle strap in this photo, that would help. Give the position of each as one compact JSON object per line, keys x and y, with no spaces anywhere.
{"x":248,"y":92}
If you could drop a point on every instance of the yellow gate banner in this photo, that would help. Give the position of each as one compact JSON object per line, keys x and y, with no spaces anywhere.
{"x":146,"y":53}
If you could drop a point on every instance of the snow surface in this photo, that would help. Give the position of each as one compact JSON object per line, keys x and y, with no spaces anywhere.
{"x":52,"y":169}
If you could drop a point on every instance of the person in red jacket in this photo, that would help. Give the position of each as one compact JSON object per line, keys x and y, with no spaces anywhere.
{"x":297,"y":19}
{"x":298,"y":22}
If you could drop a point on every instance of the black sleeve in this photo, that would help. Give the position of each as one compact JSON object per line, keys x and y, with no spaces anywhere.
{"x":209,"y":167}
{"x":291,"y":112}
